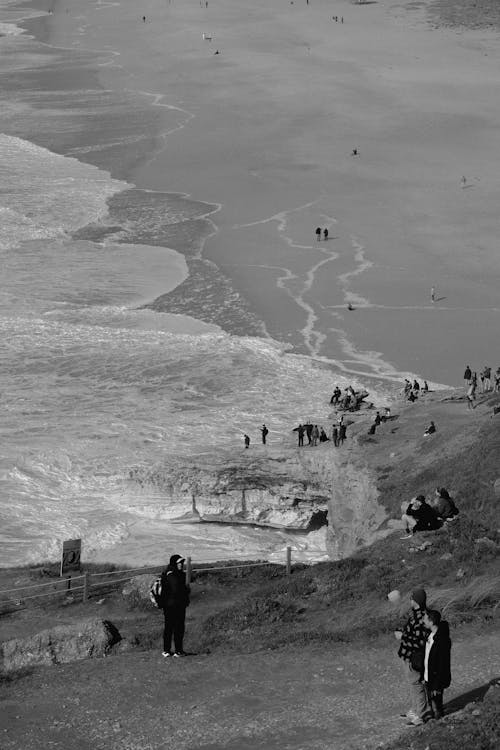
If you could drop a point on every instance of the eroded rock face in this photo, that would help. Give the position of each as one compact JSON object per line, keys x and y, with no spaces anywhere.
{"x":356,"y":518}
{"x":59,"y":645}
{"x":279,"y":488}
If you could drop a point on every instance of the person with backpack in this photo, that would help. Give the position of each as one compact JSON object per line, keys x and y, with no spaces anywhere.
{"x":174,"y":599}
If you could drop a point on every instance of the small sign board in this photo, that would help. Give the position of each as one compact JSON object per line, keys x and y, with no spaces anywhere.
{"x":71,"y":555}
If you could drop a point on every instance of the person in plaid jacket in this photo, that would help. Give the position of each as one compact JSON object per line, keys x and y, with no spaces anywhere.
{"x":412,"y":651}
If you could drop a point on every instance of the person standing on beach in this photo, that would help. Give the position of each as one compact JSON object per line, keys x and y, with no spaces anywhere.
{"x":175,"y":598}
{"x":265,"y":433}
{"x":411,"y":650}
{"x":433,"y":294}
{"x":342,"y":433}
{"x":309,"y":429}
{"x":300,"y":431}
{"x":467,"y":375}
{"x":318,"y":233}
{"x":315,"y":435}
{"x":247,"y":441}
{"x":325,"y":234}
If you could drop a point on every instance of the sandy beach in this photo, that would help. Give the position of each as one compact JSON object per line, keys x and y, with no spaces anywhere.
{"x":266,"y":130}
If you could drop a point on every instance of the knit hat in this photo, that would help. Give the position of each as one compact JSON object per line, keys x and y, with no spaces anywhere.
{"x":420,"y":597}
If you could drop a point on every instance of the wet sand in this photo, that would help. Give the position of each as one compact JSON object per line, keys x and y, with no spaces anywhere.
{"x":266,"y":129}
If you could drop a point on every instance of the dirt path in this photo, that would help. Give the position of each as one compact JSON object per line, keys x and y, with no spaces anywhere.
{"x":342,"y":697}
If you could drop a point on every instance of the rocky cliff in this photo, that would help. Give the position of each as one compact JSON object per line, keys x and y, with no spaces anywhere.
{"x":279,"y":487}
{"x":274,"y":487}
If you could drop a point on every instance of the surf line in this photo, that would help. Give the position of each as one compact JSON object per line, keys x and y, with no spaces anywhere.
{"x":312,"y":338}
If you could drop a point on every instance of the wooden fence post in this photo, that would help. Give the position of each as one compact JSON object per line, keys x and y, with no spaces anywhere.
{"x":289,"y":561}
{"x":86,"y":586}
{"x":188,"y":570}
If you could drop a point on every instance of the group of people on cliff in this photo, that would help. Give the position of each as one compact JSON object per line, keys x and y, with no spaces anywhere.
{"x":471,"y":382}
{"x":420,"y":515}
{"x":411,"y":391}
{"x":316,"y":435}
{"x":349,"y":399}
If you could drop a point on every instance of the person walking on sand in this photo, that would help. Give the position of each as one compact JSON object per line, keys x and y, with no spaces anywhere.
{"x":175,"y":598}
{"x":325,"y":234}
{"x":411,"y":650}
{"x":318,"y":233}
{"x":264,"y":432}
{"x":437,"y":671}
{"x":247,"y":441}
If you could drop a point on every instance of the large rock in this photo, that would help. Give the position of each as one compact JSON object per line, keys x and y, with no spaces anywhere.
{"x":86,"y":639}
{"x":136,"y":591}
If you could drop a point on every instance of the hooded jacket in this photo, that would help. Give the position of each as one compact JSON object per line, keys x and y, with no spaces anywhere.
{"x":175,"y":591}
{"x":438,"y":664}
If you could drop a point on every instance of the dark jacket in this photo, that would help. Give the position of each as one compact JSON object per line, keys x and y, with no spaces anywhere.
{"x":425,"y":516}
{"x":438,"y":665}
{"x":175,"y":592}
{"x":445,"y":507}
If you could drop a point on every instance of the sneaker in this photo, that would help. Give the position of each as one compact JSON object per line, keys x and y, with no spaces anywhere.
{"x":166,"y":654}
{"x":178,"y":654}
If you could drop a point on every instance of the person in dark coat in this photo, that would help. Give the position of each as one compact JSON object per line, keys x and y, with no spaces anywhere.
{"x":335,"y":436}
{"x":437,"y":671}
{"x":444,"y":505}
{"x":265,"y":433}
{"x":309,"y":432}
{"x":300,"y":431}
{"x":467,"y":375}
{"x":175,"y":598}
{"x":342,"y":434}
{"x":419,"y":516}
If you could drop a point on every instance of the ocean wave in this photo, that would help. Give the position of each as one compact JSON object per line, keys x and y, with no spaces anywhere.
{"x":47,"y":195}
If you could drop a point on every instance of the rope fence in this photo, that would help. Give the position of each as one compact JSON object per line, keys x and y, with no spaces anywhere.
{"x":65,"y":586}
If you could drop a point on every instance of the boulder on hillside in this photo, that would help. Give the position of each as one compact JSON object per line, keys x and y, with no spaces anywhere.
{"x":136,"y":592}
{"x":86,"y":639}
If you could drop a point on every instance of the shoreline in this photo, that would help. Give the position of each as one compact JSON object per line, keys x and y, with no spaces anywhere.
{"x":312,"y":325}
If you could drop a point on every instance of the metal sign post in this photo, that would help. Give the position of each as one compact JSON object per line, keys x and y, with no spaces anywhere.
{"x":71,"y":555}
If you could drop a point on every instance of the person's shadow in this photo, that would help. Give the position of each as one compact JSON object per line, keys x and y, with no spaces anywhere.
{"x":477,"y":694}
{"x":439,"y":299}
